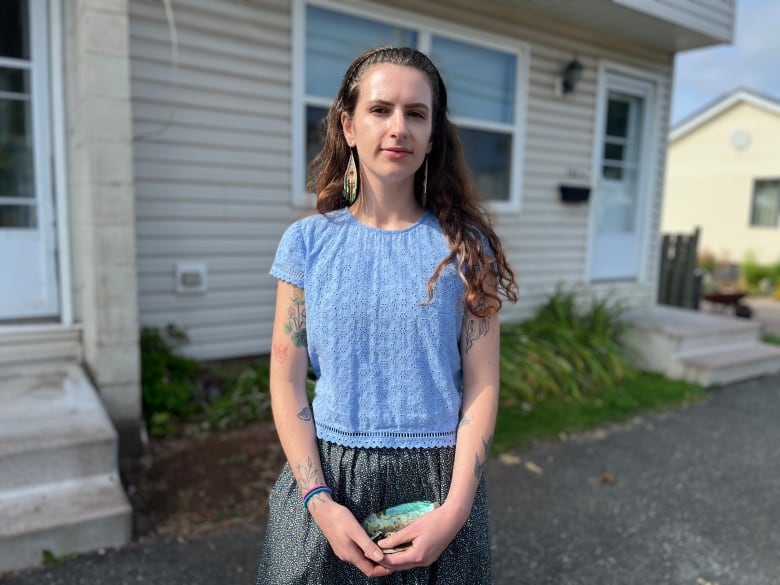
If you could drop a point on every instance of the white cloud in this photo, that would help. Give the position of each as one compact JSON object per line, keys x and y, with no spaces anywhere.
{"x":753,"y":61}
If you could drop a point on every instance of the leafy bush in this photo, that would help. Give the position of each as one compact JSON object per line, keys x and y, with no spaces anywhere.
{"x":167,"y":380}
{"x":245,"y":399}
{"x":564,"y":350}
{"x":752,"y":271}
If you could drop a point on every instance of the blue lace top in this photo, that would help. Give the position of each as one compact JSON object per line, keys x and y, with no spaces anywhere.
{"x":387,"y":365}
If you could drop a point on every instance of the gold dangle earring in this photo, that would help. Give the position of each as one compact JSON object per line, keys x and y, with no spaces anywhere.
{"x":424,"y":197}
{"x":350,"y":180}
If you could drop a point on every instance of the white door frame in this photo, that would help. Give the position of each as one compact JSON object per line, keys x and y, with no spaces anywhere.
{"x":648,"y":163}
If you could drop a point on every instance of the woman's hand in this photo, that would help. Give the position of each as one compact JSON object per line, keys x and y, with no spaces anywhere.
{"x":430,"y":534}
{"x":350,"y":543}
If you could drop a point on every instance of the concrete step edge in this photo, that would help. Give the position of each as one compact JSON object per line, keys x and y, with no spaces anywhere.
{"x":35,"y":509}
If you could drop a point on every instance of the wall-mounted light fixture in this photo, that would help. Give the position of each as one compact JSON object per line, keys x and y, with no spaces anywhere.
{"x":571,"y":75}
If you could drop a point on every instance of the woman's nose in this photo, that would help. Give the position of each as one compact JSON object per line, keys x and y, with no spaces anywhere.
{"x":398,"y":124}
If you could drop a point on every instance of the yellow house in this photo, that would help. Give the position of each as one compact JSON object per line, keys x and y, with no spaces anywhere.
{"x":723,"y":175}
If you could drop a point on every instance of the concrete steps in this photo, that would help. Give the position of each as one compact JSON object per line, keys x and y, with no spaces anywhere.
{"x":698,"y":347}
{"x":59,"y":486}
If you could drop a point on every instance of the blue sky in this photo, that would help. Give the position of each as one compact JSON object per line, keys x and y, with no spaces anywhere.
{"x":752,"y":61}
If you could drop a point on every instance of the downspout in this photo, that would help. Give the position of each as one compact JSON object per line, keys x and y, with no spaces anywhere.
{"x":56,"y":49}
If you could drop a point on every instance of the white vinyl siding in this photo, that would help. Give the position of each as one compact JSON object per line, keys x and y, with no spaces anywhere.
{"x":711,"y":17}
{"x":215,"y":185}
{"x":547,"y":240}
{"x":212,"y":160}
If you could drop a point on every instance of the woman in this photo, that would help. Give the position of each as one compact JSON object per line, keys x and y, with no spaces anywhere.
{"x":392,"y":293}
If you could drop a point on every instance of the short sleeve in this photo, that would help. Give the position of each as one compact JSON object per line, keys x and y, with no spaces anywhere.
{"x":290,"y":262}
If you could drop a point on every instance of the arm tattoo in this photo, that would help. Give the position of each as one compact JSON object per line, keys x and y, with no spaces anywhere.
{"x":308,"y":475}
{"x":296,"y":319}
{"x":464,"y":421}
{"x":280,"y":353}
{"x":476,"y":327}
{"x":305,"y":414}
{"x":479,"y":466}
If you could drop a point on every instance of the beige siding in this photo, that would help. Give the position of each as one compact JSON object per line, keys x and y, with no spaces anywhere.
{"x":710,"y":183}
{"x":212,"y":165}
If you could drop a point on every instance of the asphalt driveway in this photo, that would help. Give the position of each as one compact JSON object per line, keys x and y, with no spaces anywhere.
{"x":688,"y":497}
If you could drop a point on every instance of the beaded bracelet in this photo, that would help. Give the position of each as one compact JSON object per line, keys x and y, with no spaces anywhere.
{"x":313,"y":492}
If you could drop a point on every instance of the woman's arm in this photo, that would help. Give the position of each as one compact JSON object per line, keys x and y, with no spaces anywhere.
{"x":295,"y":426}
{"x":432,"y":533}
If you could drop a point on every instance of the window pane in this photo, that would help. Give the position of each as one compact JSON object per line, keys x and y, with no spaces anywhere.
{"x":16,"y":160}
{"x":617,"y":118}
{"x":315,"y":132}
{"x":17,"y":216}
{"x":766,"y":203}
{"x":333,"y":40}
{"x":14,"y":80}
{"x":14,"y":39}
{"x":613,"y":152}
{"x":480,"y":82}
{"x":489,"y":157}
{"x":614,"y":173}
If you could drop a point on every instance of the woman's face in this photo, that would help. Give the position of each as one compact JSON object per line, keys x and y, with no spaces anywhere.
{"x":391,"y":126}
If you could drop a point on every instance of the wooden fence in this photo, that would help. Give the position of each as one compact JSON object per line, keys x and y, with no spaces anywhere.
{"x":678,"y":284}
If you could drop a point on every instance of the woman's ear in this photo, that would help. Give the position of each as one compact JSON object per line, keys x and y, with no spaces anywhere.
{"x":346,"y":126}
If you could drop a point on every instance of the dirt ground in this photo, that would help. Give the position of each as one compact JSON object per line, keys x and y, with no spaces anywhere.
{"x":186,"y":487}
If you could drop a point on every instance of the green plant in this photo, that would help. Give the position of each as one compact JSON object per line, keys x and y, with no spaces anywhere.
{"x":707,"y":261}
{"x":752,"y":272}
{"x":245,"y":399}
{"x":167,"y":379}
{"x":51,"y":560}
{"x":771,"y":338}
{"x":568,"y":348}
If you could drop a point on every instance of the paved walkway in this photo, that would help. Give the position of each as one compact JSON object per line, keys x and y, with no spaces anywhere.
{"x":767,"y":311}
{"x":688,"y":497}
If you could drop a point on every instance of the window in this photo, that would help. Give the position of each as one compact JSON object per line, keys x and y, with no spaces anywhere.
{"x":766,"y":203}
{"x":17,"y":185}
{"x":482,"y":87}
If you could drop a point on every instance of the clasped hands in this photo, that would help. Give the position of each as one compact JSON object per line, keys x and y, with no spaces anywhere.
{"x":430,"y":535}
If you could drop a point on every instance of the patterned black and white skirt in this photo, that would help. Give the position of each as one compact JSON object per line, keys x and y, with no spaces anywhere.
{"x":365,"y":481}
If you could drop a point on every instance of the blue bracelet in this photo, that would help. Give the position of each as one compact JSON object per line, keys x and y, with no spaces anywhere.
{"x":313,"y":493}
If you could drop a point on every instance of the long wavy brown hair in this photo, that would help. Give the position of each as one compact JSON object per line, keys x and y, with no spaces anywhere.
{"x":476,"y":250}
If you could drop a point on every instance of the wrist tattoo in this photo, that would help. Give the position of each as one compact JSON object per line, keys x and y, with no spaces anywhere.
{"x":308,"y":475}
{"x":296,"y":318}
{"x":305,"y":414}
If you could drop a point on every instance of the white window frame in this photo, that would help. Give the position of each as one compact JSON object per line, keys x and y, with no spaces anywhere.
{"x":426,"y":28}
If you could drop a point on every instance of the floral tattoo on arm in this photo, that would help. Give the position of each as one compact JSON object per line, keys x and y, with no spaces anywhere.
{"x":475,"y":327}
{"x":308,"y":478}
{"x":295,"y":326}
{"x":479,"y":466}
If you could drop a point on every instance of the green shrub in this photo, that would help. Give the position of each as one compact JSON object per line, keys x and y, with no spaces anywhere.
{"x":245,"y":399}
{"x":167,"y":380}
{"x":753,"y":272}
{"x":564,"y":350}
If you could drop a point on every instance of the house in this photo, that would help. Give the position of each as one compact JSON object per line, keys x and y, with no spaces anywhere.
{"x":152,"y":153}
{"x":723,"y":175}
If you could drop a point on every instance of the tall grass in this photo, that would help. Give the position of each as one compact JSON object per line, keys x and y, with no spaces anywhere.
{"x":569,"y":348}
